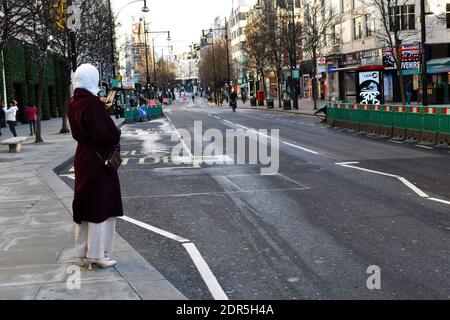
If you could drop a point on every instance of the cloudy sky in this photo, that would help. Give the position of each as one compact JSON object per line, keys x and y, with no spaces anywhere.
{"x":184,"y":18}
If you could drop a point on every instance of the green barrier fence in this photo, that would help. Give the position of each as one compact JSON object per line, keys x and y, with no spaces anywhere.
{"x":429,"y":125}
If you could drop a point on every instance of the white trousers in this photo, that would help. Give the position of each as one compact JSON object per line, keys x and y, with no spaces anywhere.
{"x":95,"y":240}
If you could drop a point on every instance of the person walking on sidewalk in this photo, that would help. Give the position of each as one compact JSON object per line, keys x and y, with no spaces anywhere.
{"x":11,"y":113}
{"x":233,"y":100}
{"x":2,"y":115}
{"x":31,"y":114}
{"x":98,"y":200}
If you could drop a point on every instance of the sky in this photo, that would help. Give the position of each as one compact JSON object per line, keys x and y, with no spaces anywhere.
{"x":184,"y":18}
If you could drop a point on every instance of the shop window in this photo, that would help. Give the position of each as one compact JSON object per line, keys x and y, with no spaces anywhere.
{"x":448,"y":15}
{"x":357,"y":28}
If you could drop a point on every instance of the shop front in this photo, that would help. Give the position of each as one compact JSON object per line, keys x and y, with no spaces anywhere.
{"x":438,"y":90}
{"x":410,"y":64}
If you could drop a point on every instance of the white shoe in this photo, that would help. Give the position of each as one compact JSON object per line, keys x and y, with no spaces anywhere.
{"x":102,"y":263}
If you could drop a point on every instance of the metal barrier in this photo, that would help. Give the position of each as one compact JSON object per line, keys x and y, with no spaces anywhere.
{"x":133,"y":115}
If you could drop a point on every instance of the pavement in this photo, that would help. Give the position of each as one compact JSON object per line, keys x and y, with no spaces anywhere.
{"x":336,"y":208}
{"x":37,"y":233}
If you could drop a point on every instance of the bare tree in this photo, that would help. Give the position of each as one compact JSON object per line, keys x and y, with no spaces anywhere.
{"x":40,"y":32}
{"x":256,"y":49}
{"x":214,"y":62}
{"x":93,"y":42}
{"x":165,"y":72}
{"x":318,"y":19}
{"x":13,"y":16}
{"x":396,"y":29}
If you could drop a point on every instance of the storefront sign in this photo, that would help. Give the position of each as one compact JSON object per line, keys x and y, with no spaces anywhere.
{"x":371,"y":58}
{"x":410,"y":58}
{"x":350,"y":59}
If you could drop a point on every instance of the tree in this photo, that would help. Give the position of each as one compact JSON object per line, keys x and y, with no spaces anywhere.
{"x":319,"y":17}
{"x":165,"y":72}
{"x":93,"y":42}
{"x":256,"y":49}
{"x":40,"y":31}
{"x":13,"y":15}
{"x":395,"y":30}
{"x":214,"y":62}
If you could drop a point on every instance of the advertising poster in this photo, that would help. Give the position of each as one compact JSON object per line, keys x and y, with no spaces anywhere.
{"x":369,"y":87}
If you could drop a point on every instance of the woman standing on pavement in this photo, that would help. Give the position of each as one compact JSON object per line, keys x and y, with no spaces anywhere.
{"x":11,"y":113}
{"x":31,"y":114}
{"x":98,"y":201}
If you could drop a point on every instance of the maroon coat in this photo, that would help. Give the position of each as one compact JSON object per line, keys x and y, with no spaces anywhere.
{"x":97,"y":190}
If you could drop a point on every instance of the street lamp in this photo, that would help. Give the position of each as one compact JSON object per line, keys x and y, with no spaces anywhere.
{"x":144,"y":9}
{"x":294,"y":59}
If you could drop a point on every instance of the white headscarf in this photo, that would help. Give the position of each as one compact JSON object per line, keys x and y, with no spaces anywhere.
{"x":87,"y":77}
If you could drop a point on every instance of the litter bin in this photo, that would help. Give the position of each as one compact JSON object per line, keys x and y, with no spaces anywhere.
{"x":260,"y":98}
{"x":253,"y":102}
{"x":286,"y":104}
{"x":270,"y":103}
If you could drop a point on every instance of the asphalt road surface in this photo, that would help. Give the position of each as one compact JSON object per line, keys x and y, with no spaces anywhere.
{"x":339,"y":204}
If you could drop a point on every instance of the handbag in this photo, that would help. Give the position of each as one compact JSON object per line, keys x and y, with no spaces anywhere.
{"x":113,"y":162}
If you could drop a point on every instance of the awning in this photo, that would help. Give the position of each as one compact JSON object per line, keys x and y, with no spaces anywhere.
{"x":441,"y":65}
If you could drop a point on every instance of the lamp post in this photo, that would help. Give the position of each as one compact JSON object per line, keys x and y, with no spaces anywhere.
{"x":153,"y":53}
{"x":424,"y":54}
{"x":144,"y":9}
{"x":294,"y":59}
{"x":146,"y":55}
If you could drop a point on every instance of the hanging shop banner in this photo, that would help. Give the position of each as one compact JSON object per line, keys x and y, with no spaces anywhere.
{"x":410,"y":58}
{"x":369,"y":87}
{"x":371,"y":58}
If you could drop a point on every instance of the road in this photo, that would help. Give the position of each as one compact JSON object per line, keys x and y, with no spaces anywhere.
{"x":339,"y":204}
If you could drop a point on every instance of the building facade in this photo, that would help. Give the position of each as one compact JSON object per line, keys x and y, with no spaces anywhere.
{"x":358,"y":43}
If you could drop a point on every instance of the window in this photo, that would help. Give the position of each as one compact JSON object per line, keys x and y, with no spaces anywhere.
{"x":448,"y":15}
{"x":336,"y":34}
{"x":402,"y":18}
{"x":357,"y":28}
{"x":370,"y":26}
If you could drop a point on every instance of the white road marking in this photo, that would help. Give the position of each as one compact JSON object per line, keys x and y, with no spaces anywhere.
{"x":439,"y":200}
{"x":243,"y":127}
{"x":413,"y":188}
{"x":424,"y":147}
{"x":367,"y":170}
{"x":217,"y":117}
{"x":301,"y":148}
{"x":70,"y":176}
{"x":395,"y":141}
{"x":407,"y":183}
{"x":155,"y":230}
{"x":228,"y":121}
{"x":206,"y":273}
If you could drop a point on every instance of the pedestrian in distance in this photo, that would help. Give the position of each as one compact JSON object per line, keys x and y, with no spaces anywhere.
{"x":11,"y":113}
{"x":97,"y":202}
{"x":233,"y":100}
{"x":2,"y":115}
{"x":31,"y":115}
{"x":409,"y":92}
